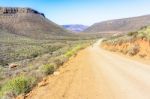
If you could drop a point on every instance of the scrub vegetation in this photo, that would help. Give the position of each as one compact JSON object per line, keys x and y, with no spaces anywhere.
{"x":132,"y":44}
{"x":34,"y":58}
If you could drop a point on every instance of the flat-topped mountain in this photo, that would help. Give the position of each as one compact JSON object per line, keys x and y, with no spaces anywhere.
{"x":120,"y":25}
{"x":30,"y":23}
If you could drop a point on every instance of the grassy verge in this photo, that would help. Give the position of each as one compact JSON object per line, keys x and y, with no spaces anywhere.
{"x":74,"y":50}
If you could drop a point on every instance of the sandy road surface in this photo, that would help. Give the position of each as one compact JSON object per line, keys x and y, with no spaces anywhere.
{"x":97,"y":74}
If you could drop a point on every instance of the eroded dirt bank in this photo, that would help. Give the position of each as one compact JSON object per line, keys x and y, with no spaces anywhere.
{"x":136,"y":47}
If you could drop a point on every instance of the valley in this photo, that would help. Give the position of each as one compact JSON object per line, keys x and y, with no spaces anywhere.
{"x":30,"y":44}
{"x":43,"y":59}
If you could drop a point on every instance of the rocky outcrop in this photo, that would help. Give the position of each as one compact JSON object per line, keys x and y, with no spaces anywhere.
{"x":15,"y":10}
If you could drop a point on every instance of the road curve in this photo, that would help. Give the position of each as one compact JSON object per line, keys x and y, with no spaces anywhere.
{"x":97,"y":74}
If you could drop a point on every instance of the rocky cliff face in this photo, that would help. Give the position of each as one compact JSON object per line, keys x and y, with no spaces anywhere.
{"x":15,"y":10}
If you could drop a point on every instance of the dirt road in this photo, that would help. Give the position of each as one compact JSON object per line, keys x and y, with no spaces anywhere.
{"x":97,"y":74}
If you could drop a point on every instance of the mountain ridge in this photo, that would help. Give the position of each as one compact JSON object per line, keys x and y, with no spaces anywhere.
{"x":75,"y":27}
{"x":123,"y":25}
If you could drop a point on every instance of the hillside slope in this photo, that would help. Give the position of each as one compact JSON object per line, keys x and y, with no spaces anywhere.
{"x":30,"y":23}
{"x":120,"y":25}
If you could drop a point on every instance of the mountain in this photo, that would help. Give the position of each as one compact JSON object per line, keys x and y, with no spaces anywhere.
{"x":23,"y":31}
{"x":120,"y":25}
{"x":75,"y":27}
{"x":30,"y":23}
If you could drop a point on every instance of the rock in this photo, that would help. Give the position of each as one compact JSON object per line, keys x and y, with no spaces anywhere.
{"x":56,"y":73}
{"x":22,"y":96}
{"x":28,"y":94}
{"x":43,"y":83}
{"x":13,"y":65}
{"x":45,"y":79}
{"x":17,"y":10}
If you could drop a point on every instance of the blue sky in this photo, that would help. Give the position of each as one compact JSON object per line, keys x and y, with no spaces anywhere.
{"x":84,"y":12}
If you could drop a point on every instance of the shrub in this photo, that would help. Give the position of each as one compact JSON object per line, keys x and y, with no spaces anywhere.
{"x":141,"y":35}
{"x":132,"y":34}
{"x":58,"y":62}
{"x":17,"y":85}
{"x":133,"y":50}
{"x":34,"y":54}
{"x":47,"y":69}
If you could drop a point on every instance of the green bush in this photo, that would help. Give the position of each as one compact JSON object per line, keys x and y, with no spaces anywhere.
{"x":17,"y":85}
{"x":144,"y":32}
{"x":131,"y":33}
{"x":47,"y":69}
{"x":34,"y":54}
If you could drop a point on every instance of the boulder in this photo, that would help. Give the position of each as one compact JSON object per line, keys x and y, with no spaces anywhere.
{"x":56,"y":73}
{"x":13,"y":65}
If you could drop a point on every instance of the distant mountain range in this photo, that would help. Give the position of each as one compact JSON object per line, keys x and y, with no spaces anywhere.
{"x":120,"y":25}
{"x":75,"y":27}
